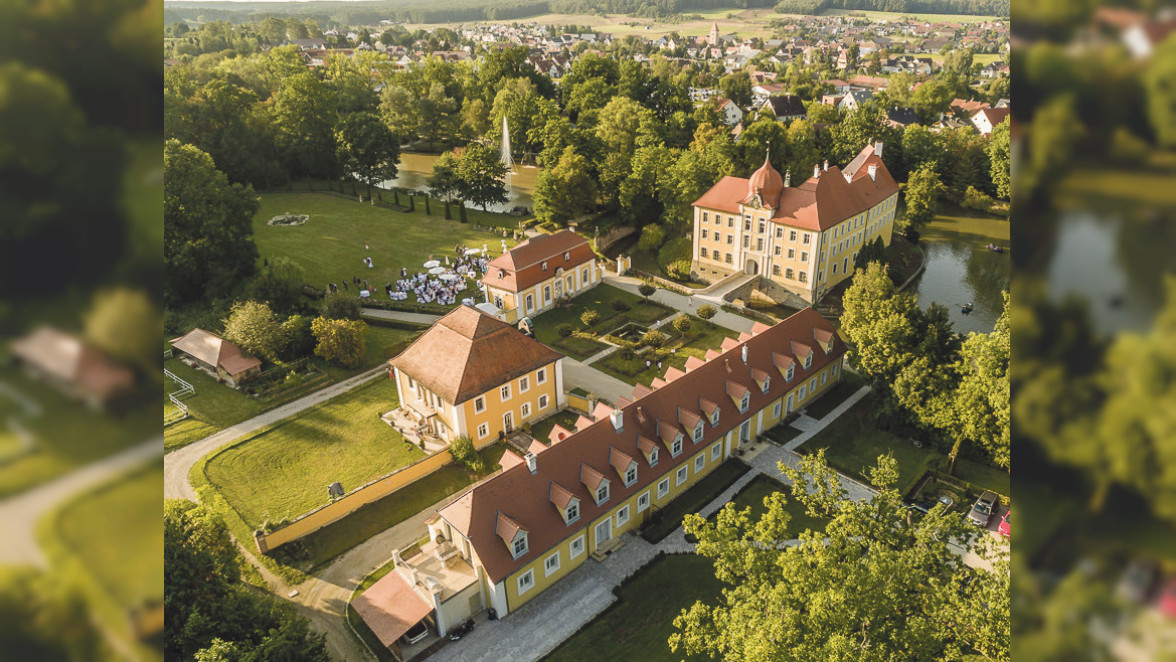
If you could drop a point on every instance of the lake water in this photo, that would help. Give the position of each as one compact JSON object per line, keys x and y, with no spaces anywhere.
{"x":960,"y":269}
{"x":415,"y":168}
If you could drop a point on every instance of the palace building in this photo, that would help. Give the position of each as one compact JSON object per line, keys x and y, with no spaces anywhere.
{"x":531,"y":277}
{"x":801,"y":240}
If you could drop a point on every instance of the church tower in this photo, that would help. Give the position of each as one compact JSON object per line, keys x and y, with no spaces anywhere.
{"x":714,"y":34}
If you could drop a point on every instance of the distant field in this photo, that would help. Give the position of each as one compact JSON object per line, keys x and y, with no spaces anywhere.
{"x":895,"y":16}
{"x":751,"y":22}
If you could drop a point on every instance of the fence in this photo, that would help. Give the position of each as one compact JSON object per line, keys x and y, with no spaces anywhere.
{"x":185,"y":389}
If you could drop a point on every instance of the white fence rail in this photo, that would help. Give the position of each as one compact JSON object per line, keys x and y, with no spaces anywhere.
{"x":185,"y":390}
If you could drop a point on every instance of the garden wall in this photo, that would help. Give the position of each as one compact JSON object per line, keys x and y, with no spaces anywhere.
{"x":603,"y":243}
{"x":349,"y":503}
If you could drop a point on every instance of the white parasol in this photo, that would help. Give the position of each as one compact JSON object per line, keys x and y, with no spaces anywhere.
{"x":437,"y":270}
{"x":473,"y":251}
{"x":448,"y":277}
{"x":432,"y":263}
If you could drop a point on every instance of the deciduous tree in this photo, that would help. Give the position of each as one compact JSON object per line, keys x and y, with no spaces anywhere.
{"x":366,"y":149}
{"x":125,"y":324}
{"x":565,"y":191}
{"x":340,"y":340}
{"x":255,"y":328}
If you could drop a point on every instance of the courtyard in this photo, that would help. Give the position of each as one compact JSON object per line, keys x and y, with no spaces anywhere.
{"x":615,"y":308}
{"x":695,"y":341}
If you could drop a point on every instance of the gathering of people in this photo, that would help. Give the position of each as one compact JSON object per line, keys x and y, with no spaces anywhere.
{"x":442,"y":282}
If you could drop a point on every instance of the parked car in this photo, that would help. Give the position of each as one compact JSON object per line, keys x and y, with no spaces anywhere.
{"x":1167,"y":602}
{"x":416,"y":633}
{"x":1137,"y":581}
{"x":1003,"y":528}
{"x":983,"y":509}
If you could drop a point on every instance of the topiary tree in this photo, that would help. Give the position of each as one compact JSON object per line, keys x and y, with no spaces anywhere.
{"x":706,"y":311}
{"x":682,"y":323}
{"x":653,"y":338}
{"x":589,"y":317}
{"x":646,"y":290}
{"x":564,"y":330}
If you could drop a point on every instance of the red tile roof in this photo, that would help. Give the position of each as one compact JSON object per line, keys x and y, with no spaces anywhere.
{"x":71,"y":360}
{"x":820,"y":202}
{"x":522,"y":266}
{"x":582,"y":457}
{"x":390,"y":607}
{"x":215,"y":351}
{"x":467,"y":353}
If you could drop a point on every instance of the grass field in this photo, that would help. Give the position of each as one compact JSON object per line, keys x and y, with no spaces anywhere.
{"x":330,"y":246}
{"x":639,"y":624}
{"x":284,"y":471}
{"x":922,"y":18}
{"x":700,"y":337}
{"x":600,"y":299}
{"x":70,"y":435}
{"x":850,"y":383}
{"x":542,"y":429}
{"x":692,"y":500}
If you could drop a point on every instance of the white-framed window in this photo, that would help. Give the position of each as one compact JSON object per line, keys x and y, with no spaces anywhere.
{"x":800,"y":391}
{"x":808,"y":361}
{"x":622,"y":516}
{"x":530,"y":302}
{"x":716,"y":450}
{"x":776,"y":410}
{"x":524,"y":384}
{"x":602,"y":493}
{"x":643,"y":502}
{"x":676,"y":448}
{"x":824,"y":377}
{"x":520,"y":546}
{"x":541,"y":375}
{"x":698,"y":432}
{"x":479,"y":404}
{"x":504,"y":392}
{"x":543,"y":402}
{"x":744,"y":402}
{"x":653,"y":458}
{"x":715,"y":416}
{"x":544,"y":265}
{"x":803,"y":256}
{"x":572,"y":512}
{"x":702,"y":252}
{"x":804,"y":239}
{"x":704,"y":233}
{"x":680,"y":477}
{"x":483,"y":430}
{"x":663,"y":488}
{"x":567,"y":256}
{"x":834,"y":369}
{"x":631,"y":475}
{"x":767,"y":384}
{"x":526,"y":581}
{"x":525,"y":410}
{"x":551,"y":564}
{"x":792,"y":235}
{"x":790,"y":373}
{"x":576,"y":548}
{"x":699,"y":463}
{"x":803,"y":277}
{"x":411,"y":383}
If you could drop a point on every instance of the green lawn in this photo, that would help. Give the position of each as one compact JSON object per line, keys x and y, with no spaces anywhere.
{"x":284,"y":471}
{"x":639,"y":624}
{"x":700,"y":337}
{"x":782,"y":434}
{"x":753,"y":495}
{"x":666,"y":520}
{"x":69,"y":435}
{"x":850,"y":383}
{"x":566,"y":418}
{"x":853,"y":444}
{"x":600,"y":299}
{"x":334,"y":539}
{"x":983,"y":476}
{"x":330,"y":246}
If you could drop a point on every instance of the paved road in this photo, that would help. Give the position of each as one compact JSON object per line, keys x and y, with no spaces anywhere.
{"x":178,"y":463}
{"x":400,"y":315}
{"x":689,"y":304}
{"x":580,"y":373}
{"x":19,"y":514}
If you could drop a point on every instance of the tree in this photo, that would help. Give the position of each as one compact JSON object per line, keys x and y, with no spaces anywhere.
{"x":589,"y":317}
{"x":481,"y":176}
{"x":565,"y":191}
{"x":706,"y":311}
{"x":366,"y":149}
{"x":340,"y":306}
{"x":1161,"y":98}
{"x":207,"y":226}
{"x":255,"y":328}
{"x":398,"y":110}
{"x":652,"y":237}
{"x":879,"y":324}
{"x":982,"y":401}
{"x":279,"y":284}
{"x":463,"y":452}
{"x":682,"y":323}
{"x":921,"y":194}
{"x":125,"y":324}
{"x":46,"y":617}
{"x":737,"y":87}
{"x":875,"y":585}
{"x":304,"y":118}
{"x":299,"y":339}
{"x":339,"y":340}
{"x":653,"y":338}
{"x":647,"y":291}
{"x":872,"y":251}
{"x":999,"y":155}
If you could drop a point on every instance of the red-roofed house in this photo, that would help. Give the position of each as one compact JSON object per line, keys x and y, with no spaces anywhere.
{"x":532,"y":276}
{"x":987,"y":119}
{"x":75,"y":367}
{"x":218,"y":356}
{"x":802,"y":240}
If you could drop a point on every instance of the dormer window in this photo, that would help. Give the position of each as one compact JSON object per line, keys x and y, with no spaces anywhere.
{"x":676,"y":448}
{"x":520,"y":546}
{"x":808,"y":361}
{"x":698,"y":432}
{"x":653,"y":458}
{"x":788,"y":375}
{"x":572,"y":512}
{"x":501,"y":274}
{"x":602,"y":493}
{"x":544,"y":265}
{"x":715,"y":417}
{"x":631,"y":476}
{"x":744,"y":403}
{"x":567,"y":257}
{"x":766,"y":385}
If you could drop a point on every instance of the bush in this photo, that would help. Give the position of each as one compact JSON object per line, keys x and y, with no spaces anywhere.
{"x":646,"y":289}
{"x":675,"y":256}
{"x":653,"y":338}
{"x":620,"y":305}
{"x":652,"y":237}
{"x":682,"y":323}
{"x":564,"y":330}
{"x":706,"y":311}
{"x":463,"y":452}
{"x":589,"y":317}
{"x":340,"y":306}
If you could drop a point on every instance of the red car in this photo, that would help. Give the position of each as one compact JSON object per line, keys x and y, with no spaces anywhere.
{"x":1167,"y":600}
{"x":1003,"y":527}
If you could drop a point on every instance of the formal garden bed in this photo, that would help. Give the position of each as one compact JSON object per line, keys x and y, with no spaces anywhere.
{"x":665,"y":521}
{"x":564,"y":328}
{"x":631,"y":366}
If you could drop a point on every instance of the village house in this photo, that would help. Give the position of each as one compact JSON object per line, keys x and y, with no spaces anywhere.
{"x":730,"y":113}
{"x":531,"y":277}
{"x":785,"y":107}
{"x":987,"y":119}
{"x":855,"y":100}
{"x":801,"y":240}
{"x":511,"y":537}
{"x":217,"y":356}
{"x":471,"y":375}
{"x":73,"y":366}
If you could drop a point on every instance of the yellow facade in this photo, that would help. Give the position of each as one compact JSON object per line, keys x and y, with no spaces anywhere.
{"x":564,"y":283}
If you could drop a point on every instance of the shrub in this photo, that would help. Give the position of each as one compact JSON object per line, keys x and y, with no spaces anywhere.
{"x":646,"y":289}
{"x":706,"y":311}
{"x":675,"y":256}
{"x":462,"y":451}
{"x":626,"y":353}
{"x":564,"y":330}
{"x":620,"y":305}
{"x":652,"y":237}
{"x":682,"y":323}
{"x":340,"y":306}
{"x":653,"y":338}
{"x":589,"y":317}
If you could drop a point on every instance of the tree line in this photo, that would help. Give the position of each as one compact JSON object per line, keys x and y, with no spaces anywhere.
{"x":972,"y":7}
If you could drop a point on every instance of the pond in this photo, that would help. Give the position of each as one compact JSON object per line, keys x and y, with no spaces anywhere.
{"x":415,"y":168}
{"x":961,"y":270}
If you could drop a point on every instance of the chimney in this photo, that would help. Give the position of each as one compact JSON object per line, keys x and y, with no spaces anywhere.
{"x":617,"y":418}
{"x":826,"y":165}
{"x":532,"y":462}
{"x":816,"y":171}
{"x":878,"y":149}
{"x":745,"y":352}
{"x":873,"y":170}
{"x":787,"y":178}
